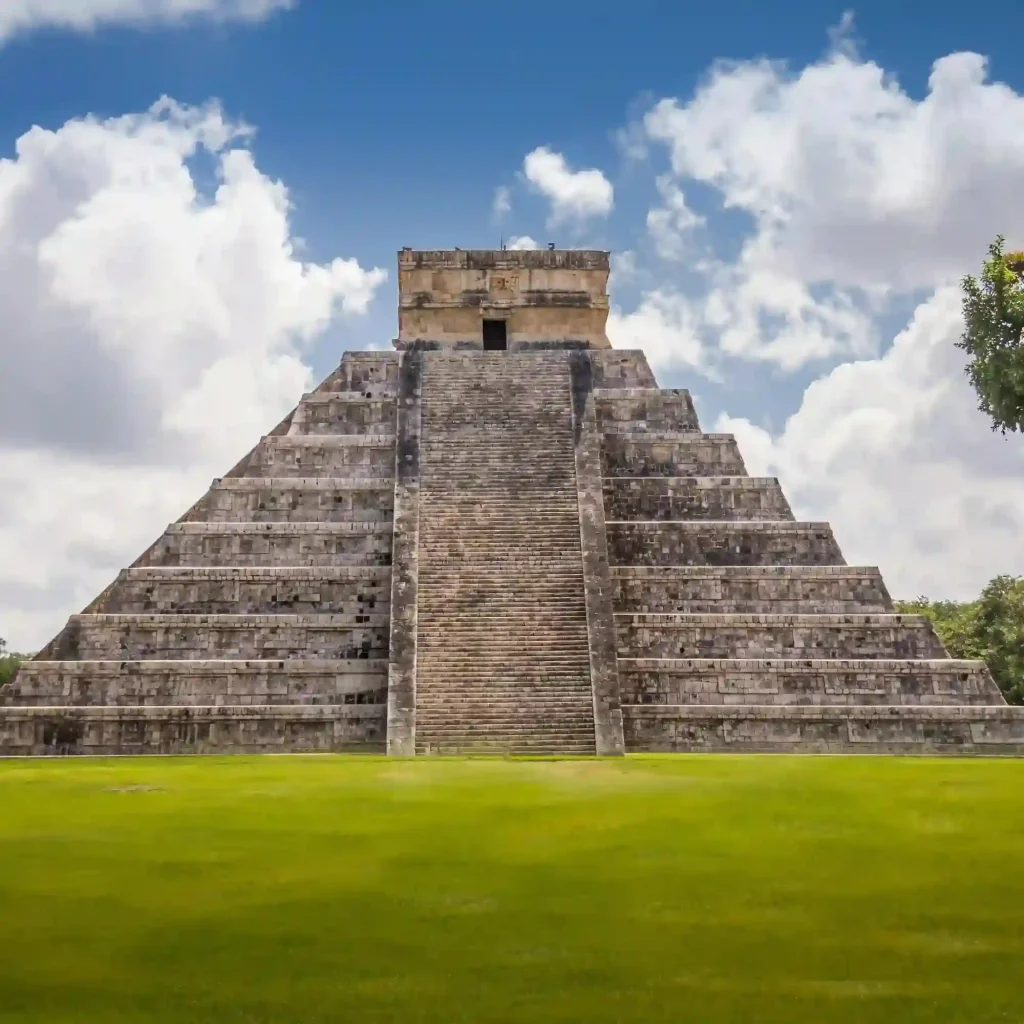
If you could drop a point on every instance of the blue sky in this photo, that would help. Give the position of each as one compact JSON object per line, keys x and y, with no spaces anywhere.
{"x":787,"y":240}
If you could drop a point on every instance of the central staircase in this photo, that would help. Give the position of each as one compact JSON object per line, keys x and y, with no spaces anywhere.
{"x":503,"y":661}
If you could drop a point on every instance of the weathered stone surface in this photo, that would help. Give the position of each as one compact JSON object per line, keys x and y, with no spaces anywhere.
{"x":401,"y":720}
{"x":622,"y":368}
{"x":722,"y":543}
{"x":642,"y":410}
{"x":296,"y":500}
{"x":839,"y":730}
{"x":547,"y":295}
{"x":596,"y":575}
{"x":782,"y":589}
{"x":719,"y":498}
{"x":693,"y":454}
{"x":99,"y":637}
{"x":352,"y":590}
{"x":322,"y":455}
{"x":200,"y":682}
{"x":272,"y":544}
{"x":344,"y":412}
{"x":840,"y":681}
{"x":370,"y":373}
{"x":777,"y":636}
{"x":256,"y":729}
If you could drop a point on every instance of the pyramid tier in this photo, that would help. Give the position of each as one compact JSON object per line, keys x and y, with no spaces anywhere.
{"x":202,"y":682}
{"x":633,"y":410}
{"x":272,"y":544}
{"x":667,"y":681}
{"x":680,"y":454}
{"x":365,"y":372}
{"x":254,"y":729}
{"x":825,"y":729}
{"x":746,"y":589}
{"x":344,"y":412}
{"x":99,"y":637}
{"x":296,"y":500}
{"x":716,"y":498}
{"x":719,"y":543}
{"x":776,"y":636}
{"x":330,"y":455}
{"x":222,"y":590}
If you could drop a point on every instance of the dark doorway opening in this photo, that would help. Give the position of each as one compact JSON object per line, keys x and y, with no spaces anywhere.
{"x":495,"y":338}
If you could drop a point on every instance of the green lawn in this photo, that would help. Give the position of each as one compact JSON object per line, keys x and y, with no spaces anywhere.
{"x":710,"y":889}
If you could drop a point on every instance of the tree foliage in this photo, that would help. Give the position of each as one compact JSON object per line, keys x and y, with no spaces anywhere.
{"x":993,"y":309}
{"x":990,"y":629}
{"x":8,"y":663}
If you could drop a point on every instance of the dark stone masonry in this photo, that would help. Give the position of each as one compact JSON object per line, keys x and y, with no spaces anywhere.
{"x":531,"y":549}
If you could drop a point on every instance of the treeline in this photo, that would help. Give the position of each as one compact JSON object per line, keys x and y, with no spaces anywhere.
{"x":990,"y":629}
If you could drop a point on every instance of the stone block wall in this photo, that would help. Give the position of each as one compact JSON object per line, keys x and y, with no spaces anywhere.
{"x":777,"y":636}
{"x":202,"y":683}
{"x":302,"y":500}
{"x":815,"y":589}
{"x":722,"y":543}
{"x":692,"y":498}
{"x":349,"y":590}
{"x":640,"y":455}
{"x":272,"y":544}
{"x":638,"y":410}
{"x":786,"y":681}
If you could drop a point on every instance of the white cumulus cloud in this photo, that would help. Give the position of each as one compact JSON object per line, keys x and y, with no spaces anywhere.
{"x":894,"y":452}
{"x":844,"y":208}
{"x":151,"y":334}
{"x":84,"y":15}
{"x":574,"y":195}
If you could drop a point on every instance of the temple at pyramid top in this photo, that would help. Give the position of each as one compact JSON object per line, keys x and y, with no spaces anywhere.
{"x":502,"y":298}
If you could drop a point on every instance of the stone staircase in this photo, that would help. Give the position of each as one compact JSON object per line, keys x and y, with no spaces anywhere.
{"x":503,"y":654}
{"x":258,"y":621}
{"x":739,"y":628}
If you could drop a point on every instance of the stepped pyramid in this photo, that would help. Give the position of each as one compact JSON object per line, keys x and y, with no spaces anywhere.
{"x":501,"y":537}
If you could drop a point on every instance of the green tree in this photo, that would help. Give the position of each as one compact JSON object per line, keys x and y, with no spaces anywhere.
{"x":990,"y":629}
{"x":8,"y":663}
{"x":993,"y":309}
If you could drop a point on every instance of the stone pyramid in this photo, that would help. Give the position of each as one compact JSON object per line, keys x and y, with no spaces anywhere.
{"x":502,"y":537}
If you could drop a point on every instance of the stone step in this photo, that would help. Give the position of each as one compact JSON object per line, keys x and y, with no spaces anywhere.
{"x":468,"y":748}
{"x":777,"y":636}
{"x":296,"y":499}
{"x":272,"y":544}
{"x":100,"y":637}
{"x":720,"y":543}
{"x":715,"y":498}
{"x":812,"y":681}
{"x":686,"y":455}
{"x":201,"y":682}
{"x":226,"y":590}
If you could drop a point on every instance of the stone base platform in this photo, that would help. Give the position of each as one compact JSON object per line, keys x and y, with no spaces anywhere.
{"x":993,"y":731}
{"x":256,"y":729}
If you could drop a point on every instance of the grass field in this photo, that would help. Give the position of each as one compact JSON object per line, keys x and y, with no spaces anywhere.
{"x":652,"y":890}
